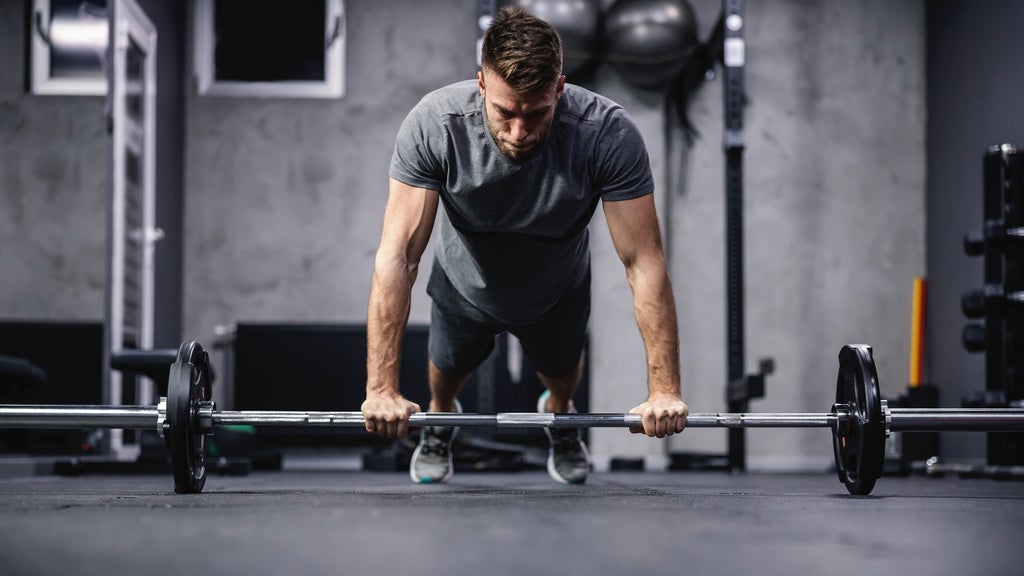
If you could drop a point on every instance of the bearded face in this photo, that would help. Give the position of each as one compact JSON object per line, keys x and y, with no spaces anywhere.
{"x":519,"y":123}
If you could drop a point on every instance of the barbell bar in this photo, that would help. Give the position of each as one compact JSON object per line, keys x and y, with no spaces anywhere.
{"x":55,"y":416}
{"x":860,"y":419}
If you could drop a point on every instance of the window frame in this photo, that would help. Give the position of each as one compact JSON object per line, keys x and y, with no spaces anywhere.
{"x":41,"y":82}
{"x":332,"y":86}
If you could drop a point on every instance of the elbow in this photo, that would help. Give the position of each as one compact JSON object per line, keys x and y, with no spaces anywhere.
{"x":645,"y":269}
{"x":393,"y":264}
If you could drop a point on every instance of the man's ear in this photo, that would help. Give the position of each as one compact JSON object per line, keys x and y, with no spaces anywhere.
{"x":480,"y":81}
{"x":559,"y":87}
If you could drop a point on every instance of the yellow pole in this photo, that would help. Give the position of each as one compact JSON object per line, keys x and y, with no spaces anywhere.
{"x":917,"y":332}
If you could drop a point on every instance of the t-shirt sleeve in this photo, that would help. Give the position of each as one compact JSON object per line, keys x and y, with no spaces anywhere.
{"x":623,"y":167}
{"x":415,"y":159}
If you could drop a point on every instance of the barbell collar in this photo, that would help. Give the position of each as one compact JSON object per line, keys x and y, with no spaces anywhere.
{"x":163,"y":427}
{"x":205,"y":419}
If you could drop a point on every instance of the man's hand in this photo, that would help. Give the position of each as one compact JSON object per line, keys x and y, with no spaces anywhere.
{"x":388,"y":415}
{"x":663,"y":415}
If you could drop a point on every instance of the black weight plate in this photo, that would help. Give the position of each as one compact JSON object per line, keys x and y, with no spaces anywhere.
{"x":859,"y":442}
{"x":188,"y":385}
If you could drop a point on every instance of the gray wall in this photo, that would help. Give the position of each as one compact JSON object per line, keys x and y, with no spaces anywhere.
{"x":834,"y":211}
{"x":285,"y":197}
{"x":55,"y":186}
{"x":975,"y":93}
{"x":53,"y":192}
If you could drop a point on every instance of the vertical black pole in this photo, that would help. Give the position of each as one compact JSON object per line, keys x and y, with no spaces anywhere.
{"x":1014,"y":284}
{"x":733,"y":142}
{"x":1014,"y":273}
{"x":992,"y":179}
{"x":1004,"y":275}
{"x":993,"y":185}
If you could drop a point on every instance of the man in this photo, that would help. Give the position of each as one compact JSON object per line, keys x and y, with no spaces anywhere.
{"x":520,"y":161}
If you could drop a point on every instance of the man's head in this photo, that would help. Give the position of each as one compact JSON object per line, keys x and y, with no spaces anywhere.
{"x":522,"y":50}
{"x":520,"y":80}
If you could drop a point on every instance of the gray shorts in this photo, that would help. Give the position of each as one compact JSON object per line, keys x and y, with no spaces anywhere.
{"x":462,"y":336}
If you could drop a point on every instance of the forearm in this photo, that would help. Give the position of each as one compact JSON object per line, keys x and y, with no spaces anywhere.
{"x":654,"y":305}
{"x":388,"y":315}
{"x":634,"y":228}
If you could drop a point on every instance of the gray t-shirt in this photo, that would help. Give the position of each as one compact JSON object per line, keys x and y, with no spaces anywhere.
{"x":513,"y":234}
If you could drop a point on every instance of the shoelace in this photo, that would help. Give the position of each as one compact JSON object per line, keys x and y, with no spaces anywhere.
{"x":435,"y":442}
{"x":565,"y":441}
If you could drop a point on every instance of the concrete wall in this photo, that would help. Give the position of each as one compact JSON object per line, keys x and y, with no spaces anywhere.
{"x":286,"y":196}
{"x":53,"y":192}
{"x":834,"y":206}
{"x":55,"y":186}
{"x":285,"y":199}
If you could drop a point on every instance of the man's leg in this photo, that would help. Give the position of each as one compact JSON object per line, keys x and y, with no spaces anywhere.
{"x":432,"y":462}
{"x":561,"y":388}
{"x":443,"y":388}
{"x":557,"y":345}
{"x":461,"y":338}
{"x":568,"y":458}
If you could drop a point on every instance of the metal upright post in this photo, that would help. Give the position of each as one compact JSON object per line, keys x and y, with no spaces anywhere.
{"x":733,"y":142}
{"x":993,"y":270}
{"x":995,"y":352}
{"x":1015,"y":279}
{"x":1010,"y":198}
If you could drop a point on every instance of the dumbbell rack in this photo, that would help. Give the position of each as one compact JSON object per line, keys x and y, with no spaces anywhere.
{"x":1000,"y":303}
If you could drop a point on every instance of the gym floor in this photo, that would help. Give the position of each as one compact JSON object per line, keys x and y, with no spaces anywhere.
{"x":509,"y":523}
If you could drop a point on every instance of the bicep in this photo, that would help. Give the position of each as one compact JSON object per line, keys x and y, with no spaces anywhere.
{"x":634,"y":229}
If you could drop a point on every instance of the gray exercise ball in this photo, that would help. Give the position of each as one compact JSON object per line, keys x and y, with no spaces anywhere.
{"x":578,"y":23}
{"x":649,"y":42}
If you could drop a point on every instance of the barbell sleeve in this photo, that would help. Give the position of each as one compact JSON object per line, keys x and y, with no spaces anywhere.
{"x":51,"y":416}
{"x":959,"y":420}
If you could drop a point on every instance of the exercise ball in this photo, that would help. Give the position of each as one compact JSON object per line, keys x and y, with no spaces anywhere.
{"x":649,"y":42}
{"x":578,"y":23}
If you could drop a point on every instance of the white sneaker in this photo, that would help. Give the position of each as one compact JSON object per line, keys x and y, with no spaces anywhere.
{"x":568,"y":458}
{"x":432,"y":461}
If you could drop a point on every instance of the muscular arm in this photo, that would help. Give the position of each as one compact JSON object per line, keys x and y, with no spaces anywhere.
{"x":408,"y":223}
{"x":634,"y":229}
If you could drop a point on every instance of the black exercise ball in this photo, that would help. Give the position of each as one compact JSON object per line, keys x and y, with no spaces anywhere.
{"x":648,"y":42}
{"x":578,"y":23}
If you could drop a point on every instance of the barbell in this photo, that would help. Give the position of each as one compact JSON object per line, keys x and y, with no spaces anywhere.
{"x":860,"y":419}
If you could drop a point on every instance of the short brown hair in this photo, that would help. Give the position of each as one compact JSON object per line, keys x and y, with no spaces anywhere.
{"x":525,"y":51}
